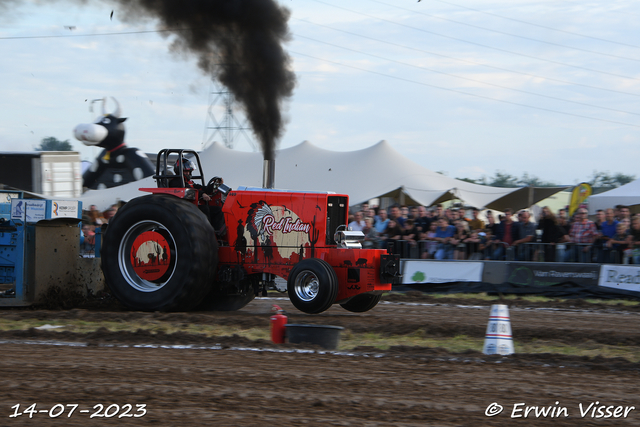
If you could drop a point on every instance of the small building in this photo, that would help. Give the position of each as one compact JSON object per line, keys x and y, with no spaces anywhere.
{"x":50,"y":173}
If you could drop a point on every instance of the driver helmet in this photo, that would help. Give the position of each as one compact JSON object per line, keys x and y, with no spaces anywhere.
{"x":187,"y":167}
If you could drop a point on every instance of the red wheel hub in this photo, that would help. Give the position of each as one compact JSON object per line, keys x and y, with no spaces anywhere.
{"x":150,"y":255}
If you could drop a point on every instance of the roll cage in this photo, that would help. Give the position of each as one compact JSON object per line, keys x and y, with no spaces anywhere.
{"x":164,"y":164}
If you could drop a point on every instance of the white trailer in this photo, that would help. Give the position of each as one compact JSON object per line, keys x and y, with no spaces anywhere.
{"x":49,"y":173}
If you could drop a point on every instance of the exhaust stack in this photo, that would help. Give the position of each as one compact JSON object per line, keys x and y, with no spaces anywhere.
{"x":268,"y":173}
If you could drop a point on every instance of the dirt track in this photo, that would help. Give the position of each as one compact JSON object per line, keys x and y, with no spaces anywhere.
{"x":288,"y":385}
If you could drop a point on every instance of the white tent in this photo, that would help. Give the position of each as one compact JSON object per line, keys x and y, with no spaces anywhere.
{"x":627,"y":195}
{"x":376,"y":171}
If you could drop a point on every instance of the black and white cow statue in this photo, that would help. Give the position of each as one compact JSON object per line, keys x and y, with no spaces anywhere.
{"x":117,"y":164}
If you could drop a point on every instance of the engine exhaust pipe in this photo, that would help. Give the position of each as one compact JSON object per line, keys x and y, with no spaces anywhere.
{"x":268,"y":173}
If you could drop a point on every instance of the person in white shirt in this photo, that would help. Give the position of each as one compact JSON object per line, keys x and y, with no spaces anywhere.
{"x":358,"y":224}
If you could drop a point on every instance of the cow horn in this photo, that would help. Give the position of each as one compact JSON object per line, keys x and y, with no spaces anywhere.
{"x":116,"y":113}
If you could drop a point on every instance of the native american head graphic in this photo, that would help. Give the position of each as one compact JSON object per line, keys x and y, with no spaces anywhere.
{"x":276,"y":226}
{"x":255,"y":220}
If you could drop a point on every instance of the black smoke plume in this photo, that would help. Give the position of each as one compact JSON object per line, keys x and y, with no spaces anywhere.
{"x":238,"y":42}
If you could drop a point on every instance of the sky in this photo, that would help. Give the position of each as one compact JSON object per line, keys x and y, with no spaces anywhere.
{"x":469,"y":88}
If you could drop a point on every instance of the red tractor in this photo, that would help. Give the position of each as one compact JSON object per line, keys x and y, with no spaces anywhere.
{"x":161,"y":252}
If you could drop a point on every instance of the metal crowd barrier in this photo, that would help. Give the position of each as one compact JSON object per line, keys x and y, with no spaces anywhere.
{"x":534,"y":252}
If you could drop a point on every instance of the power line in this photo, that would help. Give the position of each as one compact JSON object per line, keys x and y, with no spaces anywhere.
{"x":538,"y":25}
{"x":478,"y":44}
{"x":387,"y":59}
{"x":397,"y":23}
{"x":60,"y":36}
{"x":465,"y":93}
{"x":509,"y":34}
{"x":469,"y":79}
{"x":468,"y":61}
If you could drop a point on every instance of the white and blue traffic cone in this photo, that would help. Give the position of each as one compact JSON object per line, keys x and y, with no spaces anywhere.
{"x":498,"y":339}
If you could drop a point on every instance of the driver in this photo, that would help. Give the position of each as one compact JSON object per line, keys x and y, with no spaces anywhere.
{"x":213,"y":213}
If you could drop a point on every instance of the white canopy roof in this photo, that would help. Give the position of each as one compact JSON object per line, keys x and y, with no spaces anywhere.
{"x":376,"y":171}
{"x":627,"y":195}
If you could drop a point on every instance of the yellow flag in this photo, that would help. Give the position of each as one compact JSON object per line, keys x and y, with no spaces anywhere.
{"x":578,"y":196}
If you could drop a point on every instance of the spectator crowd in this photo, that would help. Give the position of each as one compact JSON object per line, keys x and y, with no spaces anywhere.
{"x":93,"y":219}
{"x":613,"y":236}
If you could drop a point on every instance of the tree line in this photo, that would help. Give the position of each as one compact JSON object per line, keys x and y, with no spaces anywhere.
{"x":54,"y":144}
{"x":598,"y":179}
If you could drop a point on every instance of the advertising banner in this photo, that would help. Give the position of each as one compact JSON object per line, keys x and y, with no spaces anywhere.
{"x":29,"y":210}
{"x":417,"y":271}
{"x":548,"y":274}
{"x":578,"y":196}
{"x":624,"y":277}
{"x":64,"y":209}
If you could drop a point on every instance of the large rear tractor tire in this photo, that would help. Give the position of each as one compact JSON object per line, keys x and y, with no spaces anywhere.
{"x":312,"y":286}
{"x":159,"y":253}
{"x":362,"y":303}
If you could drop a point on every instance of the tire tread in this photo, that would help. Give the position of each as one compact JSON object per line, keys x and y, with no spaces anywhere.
{"x":202,"y":254}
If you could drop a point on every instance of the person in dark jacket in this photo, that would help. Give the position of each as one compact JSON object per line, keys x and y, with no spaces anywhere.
{"x":551,"y":233}
{"x":213,"y":213}
{"x":507,"y":232}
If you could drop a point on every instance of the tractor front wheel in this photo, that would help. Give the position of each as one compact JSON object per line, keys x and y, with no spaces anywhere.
{"x":312,"y":286}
